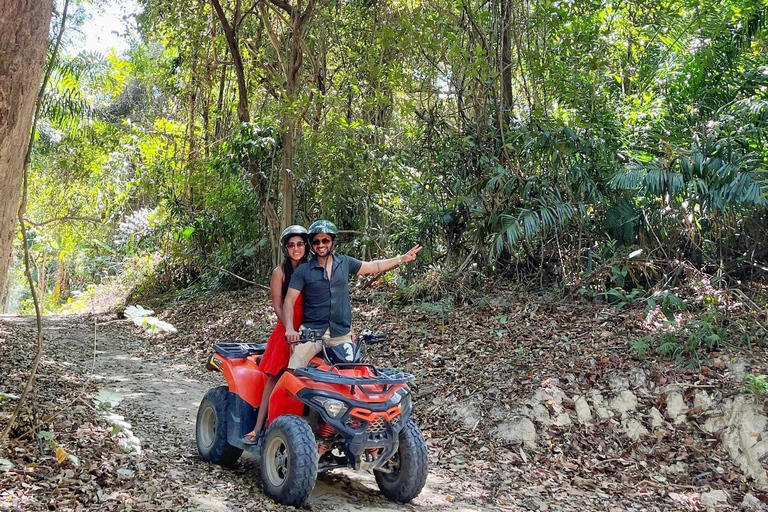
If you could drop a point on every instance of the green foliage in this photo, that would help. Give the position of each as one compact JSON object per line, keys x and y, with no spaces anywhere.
{"x":620,"y":298}
{"x":542,"y":139}
{"x":668,"y":302}
{"x":686,"y":345}
{"x":108,"y":399}
{"x":45,"y":435}
{"x":641,"y":346}
{"x":755,"y":385}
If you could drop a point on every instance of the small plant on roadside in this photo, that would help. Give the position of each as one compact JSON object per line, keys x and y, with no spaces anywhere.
{"x":61,"y":454}
{"x":108,"y":399}
{"x":668,"y":302}
{"x":620,"y":298}
{"x":669,"y":346}
{"x":756,"y":385}
{"x":642,"y":346}
{"x":5,"y":465}
{"x":685,"y":345}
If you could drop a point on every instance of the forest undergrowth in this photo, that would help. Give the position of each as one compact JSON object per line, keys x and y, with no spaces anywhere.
{"x":481,"y":355}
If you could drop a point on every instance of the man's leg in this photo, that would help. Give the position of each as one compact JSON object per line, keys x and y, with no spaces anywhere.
{"x":304,"y":352}
{"x":338,"y":340}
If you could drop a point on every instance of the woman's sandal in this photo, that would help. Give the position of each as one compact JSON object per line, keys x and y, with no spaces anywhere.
{"x":252,"y":437}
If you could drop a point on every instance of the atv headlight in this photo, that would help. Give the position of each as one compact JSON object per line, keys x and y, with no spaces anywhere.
{"x":334,"y":408}
{"x":403,"y":400}
{"x":405,"y":404}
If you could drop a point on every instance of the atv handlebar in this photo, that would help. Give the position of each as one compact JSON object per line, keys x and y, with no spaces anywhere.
{"x":308,"y":335}
{"x":370,"y":338}
{"x":312,"y":335}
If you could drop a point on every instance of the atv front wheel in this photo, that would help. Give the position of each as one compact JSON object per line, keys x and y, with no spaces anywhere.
{"x":405,"y":473}
{"x":289,"y":460}
{"x":211,"y":429}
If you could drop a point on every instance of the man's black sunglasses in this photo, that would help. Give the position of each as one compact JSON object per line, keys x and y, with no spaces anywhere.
{"x":317,"y":241}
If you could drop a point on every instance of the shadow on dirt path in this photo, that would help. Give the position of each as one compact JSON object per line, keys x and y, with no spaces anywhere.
{"x":161,"y":397}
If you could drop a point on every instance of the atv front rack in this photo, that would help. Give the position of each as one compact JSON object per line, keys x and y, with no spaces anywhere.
{"x":239,"y":350}
{"x":383,"y":376}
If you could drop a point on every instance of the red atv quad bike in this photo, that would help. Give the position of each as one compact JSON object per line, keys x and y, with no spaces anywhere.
{"x":338,"y":412}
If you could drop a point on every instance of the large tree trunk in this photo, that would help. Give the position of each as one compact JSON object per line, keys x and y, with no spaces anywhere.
{"x":24,"y":26}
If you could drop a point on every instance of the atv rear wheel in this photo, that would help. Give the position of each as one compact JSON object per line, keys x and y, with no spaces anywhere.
{"x":289,"y":460}
{"x":407,"y":469}
{"x":211,"y":429}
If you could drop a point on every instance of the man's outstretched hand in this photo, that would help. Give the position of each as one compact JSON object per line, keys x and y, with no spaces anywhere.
{"x":411,"y":255}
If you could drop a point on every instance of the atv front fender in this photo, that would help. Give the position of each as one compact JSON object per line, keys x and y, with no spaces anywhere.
{"x":284,"y":400}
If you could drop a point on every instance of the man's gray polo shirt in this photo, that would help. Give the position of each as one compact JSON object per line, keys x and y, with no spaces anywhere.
{"x":326,"y":304}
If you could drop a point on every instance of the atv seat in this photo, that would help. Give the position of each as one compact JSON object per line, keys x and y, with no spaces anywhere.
{"x":239,"y":350}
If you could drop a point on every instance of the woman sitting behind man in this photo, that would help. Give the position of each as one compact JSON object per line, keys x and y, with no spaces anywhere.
{"x":295,"y":243}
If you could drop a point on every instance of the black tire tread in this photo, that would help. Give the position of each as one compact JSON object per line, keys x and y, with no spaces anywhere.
{"x":413,"y":472}
{"x":303,"y":468}
{"x":221,"y":452}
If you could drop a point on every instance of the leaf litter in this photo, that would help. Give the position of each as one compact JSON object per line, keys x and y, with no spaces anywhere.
{"x":478,"y":365}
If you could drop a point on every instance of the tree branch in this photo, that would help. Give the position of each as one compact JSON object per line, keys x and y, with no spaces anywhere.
{"x":242,"y":90}
{"x":283,"y":5}
{"x":273,"y":38}
{"x":62,"y":219}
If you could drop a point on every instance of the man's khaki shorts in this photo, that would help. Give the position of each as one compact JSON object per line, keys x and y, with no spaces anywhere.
{"x":304,"y":352}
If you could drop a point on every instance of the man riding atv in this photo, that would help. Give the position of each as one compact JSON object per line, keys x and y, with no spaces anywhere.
{"x":324,"y":282}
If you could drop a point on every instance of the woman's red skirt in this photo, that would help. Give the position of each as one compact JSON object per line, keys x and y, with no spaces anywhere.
{"x":278,"y":353}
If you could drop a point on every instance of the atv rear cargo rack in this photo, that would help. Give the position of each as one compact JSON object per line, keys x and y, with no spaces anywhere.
{"x":384,"y":376}
{"x":239,"y":350}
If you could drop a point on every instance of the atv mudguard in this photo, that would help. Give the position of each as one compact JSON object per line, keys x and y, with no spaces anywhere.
{"x":243,"y":377}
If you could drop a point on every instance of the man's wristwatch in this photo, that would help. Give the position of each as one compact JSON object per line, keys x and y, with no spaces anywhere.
{"x":399,"y":259}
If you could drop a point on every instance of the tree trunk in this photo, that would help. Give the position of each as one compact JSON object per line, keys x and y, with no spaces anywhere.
{"x":41,"y":280}
{"x":506,"y":61}
{"x":242,"y":90}
{"x":24,"y":26}
{"x":287,"y":167}
{"x":292,"y":122}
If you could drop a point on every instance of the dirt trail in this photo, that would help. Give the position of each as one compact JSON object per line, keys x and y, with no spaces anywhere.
{"x":161,"y":401}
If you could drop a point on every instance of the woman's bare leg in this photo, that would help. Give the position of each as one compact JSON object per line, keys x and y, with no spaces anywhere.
{"x":261,"y":418}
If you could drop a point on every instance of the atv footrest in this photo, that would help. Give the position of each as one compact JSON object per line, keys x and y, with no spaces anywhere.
{"x":239,"y":350}
{"x":384,"y":376}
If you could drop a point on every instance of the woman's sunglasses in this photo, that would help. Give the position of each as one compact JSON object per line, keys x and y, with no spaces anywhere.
{"x":295,"y":245}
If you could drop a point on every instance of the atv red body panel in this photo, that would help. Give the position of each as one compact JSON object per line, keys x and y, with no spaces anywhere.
{"x":368,"y":425}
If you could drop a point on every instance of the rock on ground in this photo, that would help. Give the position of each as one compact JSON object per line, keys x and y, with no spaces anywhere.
{"x":583,"y":413}
{"x":702,"y":399}
{"x":467,"y":414}
{"x":634,"y":429}
{"x":751,"y":503}
{"x":714,"y":499}
{"x":624,"y":402}
{"x":657,"y":420}
{"x":675,"y":407}
{"x":518,"y":430}
{"x":742,"y":429}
